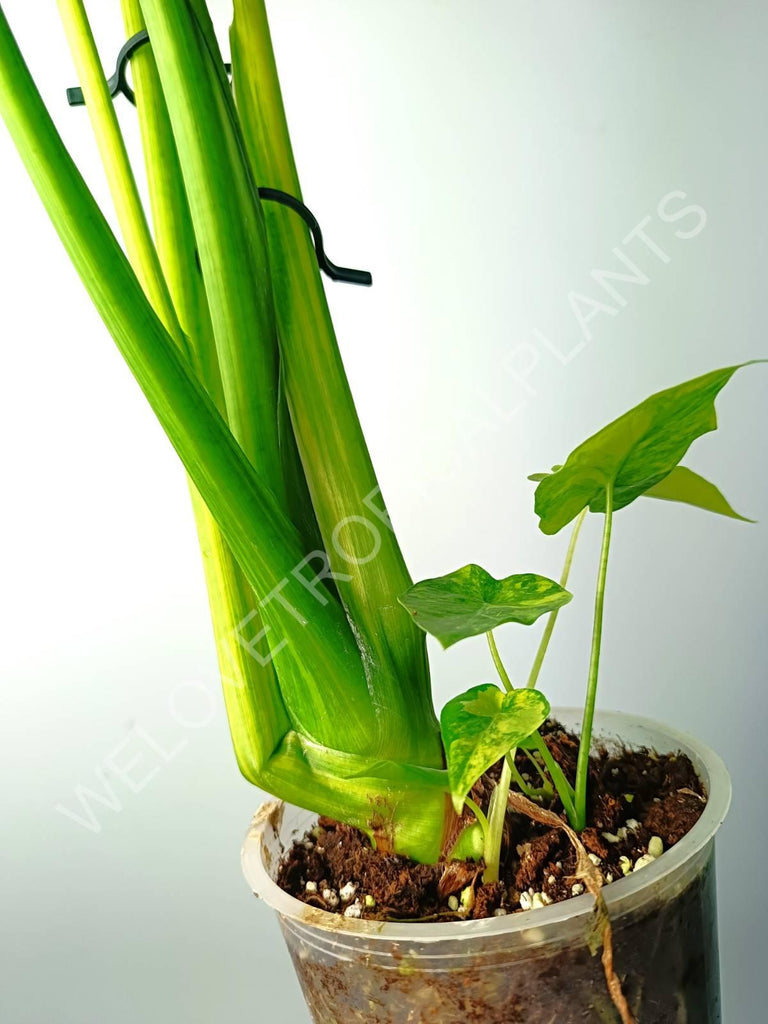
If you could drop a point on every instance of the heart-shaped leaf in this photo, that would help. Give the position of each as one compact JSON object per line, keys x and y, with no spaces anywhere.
{"x":470,"y":601}
{"x":685,"y":486}
{"x":481,"y":726}
{"x":634,"y":453}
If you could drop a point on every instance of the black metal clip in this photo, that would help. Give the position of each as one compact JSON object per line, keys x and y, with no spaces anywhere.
{"x":335,"y":273}
{"x":118,"y":83}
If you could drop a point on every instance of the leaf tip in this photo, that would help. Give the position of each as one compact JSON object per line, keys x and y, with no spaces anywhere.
{"x":458,"y":804}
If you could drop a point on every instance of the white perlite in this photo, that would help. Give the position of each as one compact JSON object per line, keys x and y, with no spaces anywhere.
{"x":643,"y":862}
{"x":577,"y":889}
{"x":526,"y":901}
{"x":626,"y":865}
{"x":347,"y":892}
{"x":354,"y":910}
{"x":467,"y":899}
{"x":656,"y":846}
{"x":595,"y":859}
{"x":310,"y":887}
{"x":500,"y":912}
{"x":632,"y":824}
{"x":330,"y":897}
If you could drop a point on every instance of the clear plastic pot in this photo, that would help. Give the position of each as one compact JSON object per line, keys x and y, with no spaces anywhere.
{"x":526,"y":968}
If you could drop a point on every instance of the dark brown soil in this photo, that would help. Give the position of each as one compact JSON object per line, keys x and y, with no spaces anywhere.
{"x":635,"y":795}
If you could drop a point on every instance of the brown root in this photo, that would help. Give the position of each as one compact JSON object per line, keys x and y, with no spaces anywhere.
{"x":601,"y":934}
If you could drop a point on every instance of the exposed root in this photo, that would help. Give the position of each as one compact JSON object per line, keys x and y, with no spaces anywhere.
{"x":689,"y":792}
{"x":586,"y":871}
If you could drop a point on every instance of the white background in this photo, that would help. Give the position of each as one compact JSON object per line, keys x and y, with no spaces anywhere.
{"x":482,"y":160}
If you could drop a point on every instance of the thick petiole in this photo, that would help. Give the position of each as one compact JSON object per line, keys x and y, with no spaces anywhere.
{"x":495,"y":833}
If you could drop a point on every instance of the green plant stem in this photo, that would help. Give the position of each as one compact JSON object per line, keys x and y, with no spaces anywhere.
{"x":552,"y":619}
{"x":503,"y":674}
{"x":345,"y":494}
{"x":478,"y":813}
{"x":257,"y":716}
{"x":562,"y":785}
{"x":537,"y":766}
{"x":174,"y":235}
{"x":495,"y":832}
{"x":114,"y":155}
{"x":412,"y":801}
{"x":582,"y":770}
{"x":228,"y":223}
{"x":263,"y":541}
{"x":518,"y":778}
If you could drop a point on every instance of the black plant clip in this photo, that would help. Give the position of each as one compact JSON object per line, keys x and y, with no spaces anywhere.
{"x":335,"y":273}
{"x":118,"y":83}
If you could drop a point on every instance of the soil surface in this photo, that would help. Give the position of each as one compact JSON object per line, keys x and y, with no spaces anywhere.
{"x":641,"y":803}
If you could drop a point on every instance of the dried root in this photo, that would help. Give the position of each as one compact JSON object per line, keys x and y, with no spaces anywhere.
{"x":601,"y":934}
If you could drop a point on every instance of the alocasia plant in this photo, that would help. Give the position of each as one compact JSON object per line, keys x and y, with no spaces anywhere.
{"x":636,"y":455}
{"x":215,"y":302}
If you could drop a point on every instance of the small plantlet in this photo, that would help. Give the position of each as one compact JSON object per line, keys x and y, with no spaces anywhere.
{"x":636,"y":455}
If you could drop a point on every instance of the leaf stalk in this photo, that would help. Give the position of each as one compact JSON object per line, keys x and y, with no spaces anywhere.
{"x":552,"y":619}
{"x":494,"y":835}
{"x":582,"y":770}
{"x":503,"y":674}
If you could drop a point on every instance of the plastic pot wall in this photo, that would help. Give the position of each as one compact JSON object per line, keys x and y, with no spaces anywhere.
{"x":533,"y":967}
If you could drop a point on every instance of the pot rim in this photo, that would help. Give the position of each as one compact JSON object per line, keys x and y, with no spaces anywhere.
{"x":617,"y":895}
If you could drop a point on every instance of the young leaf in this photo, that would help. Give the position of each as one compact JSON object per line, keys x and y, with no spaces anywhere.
{"x":685,"y":486}
{"x":482,"y":725}
{"x":470,"y":844}
{"x":634,"y":453}
{"x":470,"y":601}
